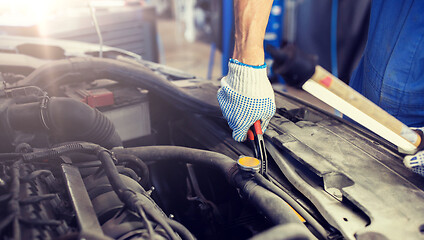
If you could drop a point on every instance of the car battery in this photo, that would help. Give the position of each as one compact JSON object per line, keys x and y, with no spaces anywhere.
{"x":127,"y":108}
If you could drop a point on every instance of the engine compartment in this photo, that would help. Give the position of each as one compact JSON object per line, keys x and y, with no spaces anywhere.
{"x":122,"y":148}
{"x":67,"y":175}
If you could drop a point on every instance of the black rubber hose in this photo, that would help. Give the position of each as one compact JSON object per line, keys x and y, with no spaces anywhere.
{"x":145,"y":175}
{"x":128,"y":172}
{"x":56,"y":73}
{"x":270,"y":204}
{"x":90,"y":164}
{"x":187,"y":155}
{"x":124,"y":193}
{"x":9,"y":156}
{"x":309,"y":219}
{"x":65,"y":119}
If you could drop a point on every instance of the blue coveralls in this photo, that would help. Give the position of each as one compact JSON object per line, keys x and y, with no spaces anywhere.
{"x":391,"y":71}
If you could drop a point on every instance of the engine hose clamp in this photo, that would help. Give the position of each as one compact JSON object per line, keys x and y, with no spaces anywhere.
{"x":111,"y":154}
{"x":43,"y":109}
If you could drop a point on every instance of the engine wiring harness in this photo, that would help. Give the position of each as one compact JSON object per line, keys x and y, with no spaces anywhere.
{"x":136,"y":202}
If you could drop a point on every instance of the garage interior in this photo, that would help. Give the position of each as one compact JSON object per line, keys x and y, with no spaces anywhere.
{"x":122,"y":119}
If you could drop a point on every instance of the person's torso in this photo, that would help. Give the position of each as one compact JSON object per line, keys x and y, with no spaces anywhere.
{"x":391,"y":71}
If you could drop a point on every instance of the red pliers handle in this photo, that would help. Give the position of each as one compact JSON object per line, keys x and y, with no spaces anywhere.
{"x":255,"y":136}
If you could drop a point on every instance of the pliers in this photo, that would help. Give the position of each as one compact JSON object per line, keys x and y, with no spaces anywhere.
{"x":255,"y":137}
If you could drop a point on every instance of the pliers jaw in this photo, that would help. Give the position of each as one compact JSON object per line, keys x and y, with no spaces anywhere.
{"x":256,"y":139}
{"x":262,"y":155}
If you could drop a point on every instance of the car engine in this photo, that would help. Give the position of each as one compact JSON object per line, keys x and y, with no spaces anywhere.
{"x":66,"y":173}
{"x":122,"y":148}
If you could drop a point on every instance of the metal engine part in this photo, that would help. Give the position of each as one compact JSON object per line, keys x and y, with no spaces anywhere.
{"x":49,"y":199}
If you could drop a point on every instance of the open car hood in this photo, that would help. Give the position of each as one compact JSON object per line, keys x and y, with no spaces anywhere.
{"x":350,"y":178}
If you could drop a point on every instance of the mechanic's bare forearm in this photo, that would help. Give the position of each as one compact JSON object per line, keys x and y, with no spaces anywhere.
{"x":251,"y":18}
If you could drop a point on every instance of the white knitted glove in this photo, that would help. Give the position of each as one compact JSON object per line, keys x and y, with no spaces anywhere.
{"x":415,"y":162}
{"x":245,"y":96}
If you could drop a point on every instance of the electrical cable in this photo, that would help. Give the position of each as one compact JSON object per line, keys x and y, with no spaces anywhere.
{"x":37,"y":174}
{"x":37,"y":199}
{"x":159,"y":219}
{"x":128,"y":196}
{"x":181,"y":229}
{"x":125,"y":194}
{"x":149,"y":226}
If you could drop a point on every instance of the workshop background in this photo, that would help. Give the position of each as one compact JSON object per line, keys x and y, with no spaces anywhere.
{"x":110,"y":126}
{"x":196,"y":36}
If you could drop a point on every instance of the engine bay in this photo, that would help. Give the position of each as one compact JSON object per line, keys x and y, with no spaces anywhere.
{"x":67,"y":190}
{"x":122,"y":148}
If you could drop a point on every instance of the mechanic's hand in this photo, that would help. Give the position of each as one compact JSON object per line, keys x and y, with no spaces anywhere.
{"x":416,"y":162}
{"x":245,"y":96}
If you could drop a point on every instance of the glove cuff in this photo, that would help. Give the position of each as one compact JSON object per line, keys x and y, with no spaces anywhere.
{"x":247,"y":80}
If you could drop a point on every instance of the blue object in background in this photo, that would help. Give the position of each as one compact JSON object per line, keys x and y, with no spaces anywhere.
{"x":274,"y":29}
{"x":334,"y":66}
{"x":274,"y":34}
{"x":227,"y":32}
